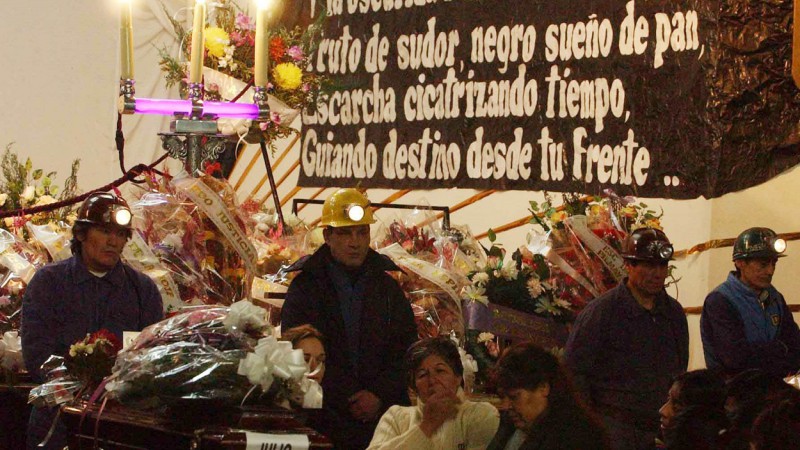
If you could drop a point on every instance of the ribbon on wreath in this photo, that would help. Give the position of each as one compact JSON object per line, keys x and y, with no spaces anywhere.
{"x":441,"y":278}
{"x":272,"y":359}
{"x":608,"y":256}
{"x":138,"y":254}
{"x":510,"y":323}
{"x":211,"y":205}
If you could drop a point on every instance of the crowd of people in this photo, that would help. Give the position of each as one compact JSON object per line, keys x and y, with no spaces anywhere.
{"x":622,"y":383}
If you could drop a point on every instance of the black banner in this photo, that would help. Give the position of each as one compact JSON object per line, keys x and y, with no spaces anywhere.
{"x":651,"y":98}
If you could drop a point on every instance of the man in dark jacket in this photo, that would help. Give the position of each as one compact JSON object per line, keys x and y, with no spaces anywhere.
{"x":628,"y":344}
{"x":745,"y":322}
{"x":345,"y":292}
{"x":90,"y":291}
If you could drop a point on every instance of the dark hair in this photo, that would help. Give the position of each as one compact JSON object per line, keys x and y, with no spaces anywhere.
{"x":300,"y":332}
{"x":528,"y":366}
{"x":750,"y":391}
{"x":440,"y":346}
{"x":701,"y":387}
{"x":696,"y":427}
{"x":78,"y":228}
{"x":778,"y":426}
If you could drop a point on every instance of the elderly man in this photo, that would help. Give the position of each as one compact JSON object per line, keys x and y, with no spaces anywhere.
{"x":628,"y":344}
{"x":90,"y":291}
{"x":345,"y":292}
{"x":745,"y":322}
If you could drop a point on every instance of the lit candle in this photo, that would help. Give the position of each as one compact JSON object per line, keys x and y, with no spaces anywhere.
{"x":261,"y":64}
{"x":126,"y":41}
{"x":198,"y":42}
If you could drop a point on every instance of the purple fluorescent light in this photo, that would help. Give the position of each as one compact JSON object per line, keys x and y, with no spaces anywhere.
{"x":217,"y":109}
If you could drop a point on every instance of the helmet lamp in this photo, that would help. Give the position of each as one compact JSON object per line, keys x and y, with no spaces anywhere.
{"x":779,"y":245}
{"x":355,"y":212}
{"x":122,"y":217}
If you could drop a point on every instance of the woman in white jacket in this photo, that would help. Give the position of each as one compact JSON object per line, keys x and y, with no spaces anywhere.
{"x":443,"y":418}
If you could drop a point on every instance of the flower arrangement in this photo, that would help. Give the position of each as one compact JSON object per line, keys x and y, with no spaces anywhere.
{"x":522,"y":283}
{"x":22,"y":186}
{"x":91,"y":359}
{"x":230,"y":49}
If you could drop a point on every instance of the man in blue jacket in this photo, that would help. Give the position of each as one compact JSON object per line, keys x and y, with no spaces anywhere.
{"x":90,"y":291}
{"x":745,"y":322}
{"x":344,"y":291}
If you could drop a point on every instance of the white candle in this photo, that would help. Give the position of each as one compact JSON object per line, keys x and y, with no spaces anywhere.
{"x":126,"y":41}
{"x":198,"y":42}
{"x":261,"y":64}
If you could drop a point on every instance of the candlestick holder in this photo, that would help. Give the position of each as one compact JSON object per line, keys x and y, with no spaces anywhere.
{"x":261,"y":100}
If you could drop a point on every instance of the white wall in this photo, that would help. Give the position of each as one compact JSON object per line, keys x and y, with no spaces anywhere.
{"x":58,"y":89}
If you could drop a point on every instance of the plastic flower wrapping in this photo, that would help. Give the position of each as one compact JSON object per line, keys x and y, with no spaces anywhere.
{"x":430,"y":259}
{"x":581,"y":240}
{"x":230,"y":52}
{"x":213,"y":356}
{"x":192,"y":241}
{"x":18,"y":263}
{"x":82,"y":370}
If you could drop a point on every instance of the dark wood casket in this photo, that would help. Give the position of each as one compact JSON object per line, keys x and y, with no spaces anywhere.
{"x":119,"y":427}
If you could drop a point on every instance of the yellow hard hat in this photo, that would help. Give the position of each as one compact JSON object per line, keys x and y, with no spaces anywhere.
{"x":346,"y":208}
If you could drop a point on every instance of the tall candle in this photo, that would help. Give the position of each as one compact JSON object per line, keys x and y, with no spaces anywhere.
{"x":198,"y":42}
{"x":126,"y":41}
{"x":261,"y":64}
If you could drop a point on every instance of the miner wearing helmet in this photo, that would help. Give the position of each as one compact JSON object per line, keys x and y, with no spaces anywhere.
{"x":344,"y":290}
{"x":90,"y":291}
{"x":627,"y":344}
{"x":745,"y":322}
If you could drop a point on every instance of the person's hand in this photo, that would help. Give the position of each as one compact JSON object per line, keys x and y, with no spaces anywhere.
{"x":364,"y":405}
{"x":441,"y":406}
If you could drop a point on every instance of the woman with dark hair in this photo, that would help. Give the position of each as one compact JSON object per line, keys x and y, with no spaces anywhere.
{"x":701,"y":388}
{"x":747,"y":393}
{"x":540,"y":408}
{"x":443,"y":418}
{"x":778,"y":426}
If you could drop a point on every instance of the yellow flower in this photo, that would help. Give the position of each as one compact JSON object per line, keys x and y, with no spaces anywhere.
{"x":628,"y":211}
{"x":287,"y":76}
{"x":557,"y":217}
{"x":216,"y":41}
{"x":653,"y":223}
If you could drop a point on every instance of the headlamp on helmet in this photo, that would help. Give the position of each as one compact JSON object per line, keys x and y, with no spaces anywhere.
{"x":778,"y":244}
{"x":102,"y":208}
{"x":122,"y":216}
{"x":355,"y":212}
{"x":647,"y":244}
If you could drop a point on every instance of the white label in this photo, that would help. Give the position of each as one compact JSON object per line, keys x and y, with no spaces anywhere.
{"x":263,"y":441}
{"x":127,"y":338}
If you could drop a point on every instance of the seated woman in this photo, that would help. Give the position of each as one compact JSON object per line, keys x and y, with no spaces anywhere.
{"x":310,"y":340}
{"x":699,"y":388}
{"x":443,"y":418}
{"x":540,"y":408}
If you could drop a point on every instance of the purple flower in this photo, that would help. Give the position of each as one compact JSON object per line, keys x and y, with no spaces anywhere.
{"x":295,"y":52}
{"x":243,"y":22}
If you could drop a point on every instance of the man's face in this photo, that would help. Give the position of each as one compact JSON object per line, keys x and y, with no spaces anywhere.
{"x":756,"y":272}
{"x":647,"y":276}
{"x":101,"y":246}
{"x":349,"y":245}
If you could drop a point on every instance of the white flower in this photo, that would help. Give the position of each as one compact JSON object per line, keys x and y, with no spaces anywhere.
{"x":45,"y":200}
{"x":28,"y":193}
{"x":485,"y":337}
{"x":480,"y":279}
{"x":561,"y":303}
{"x":535,"y":287}
{"x":475,"y":294}
{"x":509,"y":272}
{"x":3,"y":198}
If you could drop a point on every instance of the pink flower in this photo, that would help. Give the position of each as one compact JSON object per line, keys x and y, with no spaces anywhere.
{"x":275,"y":118}
{"x":305,"y":87}
{"x":244,"y":22}
{"x":295,"y":52}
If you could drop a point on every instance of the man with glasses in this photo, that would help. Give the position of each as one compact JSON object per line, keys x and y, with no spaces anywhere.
{"x":627,"y":345}
{"x":745,"y":322}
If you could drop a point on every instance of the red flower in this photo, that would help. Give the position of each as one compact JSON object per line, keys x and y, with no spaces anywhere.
{"x":277,"y":48}
{"x":104,"y":334}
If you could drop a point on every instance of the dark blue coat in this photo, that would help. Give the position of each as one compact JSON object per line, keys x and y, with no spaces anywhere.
{"x":387,"y":329}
